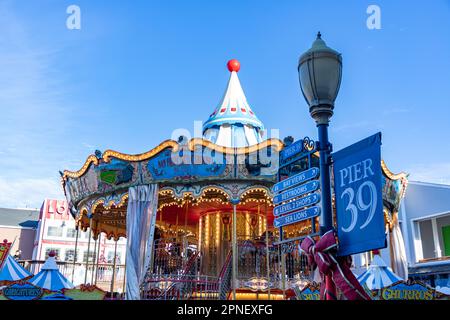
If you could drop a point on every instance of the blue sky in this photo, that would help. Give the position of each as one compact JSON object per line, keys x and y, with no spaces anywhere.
{"x":138,"y":70}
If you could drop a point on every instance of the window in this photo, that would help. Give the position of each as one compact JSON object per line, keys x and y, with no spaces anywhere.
{"x":54,"y":231}
{"x":446,"y":239}
{"x":71,"y":233}
{"x":91,"y":256}
{"x":435,"y":237}
{"x":426,"y":235}
{"x":70,"y":255}
{"x":111,"y":255}
{"x":57,"y":251}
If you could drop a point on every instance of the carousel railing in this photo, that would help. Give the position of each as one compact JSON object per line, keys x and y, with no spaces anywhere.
{"x":190,"y":269}
{"x":252,"y":263}
{"x":76,"y":273}
{"x":225,"y":278}
{"x":171,"y":256}
{"x":187,"y":287}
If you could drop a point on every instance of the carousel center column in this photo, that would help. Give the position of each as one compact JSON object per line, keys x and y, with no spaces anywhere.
{"x":234,"y":268}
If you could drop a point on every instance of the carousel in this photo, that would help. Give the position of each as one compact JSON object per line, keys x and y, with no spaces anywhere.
{"x":197,"y":213}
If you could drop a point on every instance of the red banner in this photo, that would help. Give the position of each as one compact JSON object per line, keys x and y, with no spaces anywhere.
{"x":4,"y":251}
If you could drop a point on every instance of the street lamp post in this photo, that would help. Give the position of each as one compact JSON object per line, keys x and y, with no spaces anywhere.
{"x":320,"y":73}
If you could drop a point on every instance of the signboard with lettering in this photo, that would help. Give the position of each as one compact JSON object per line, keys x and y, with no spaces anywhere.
{"x":163,"y":167}
{"x":359,"y":203}
{"x":296,"y":217}
{"x":22,"y":291}
{"x":295,"y":180}
{"x":296,"y":204}
{"x":292,"y":150}
{"x":414,"y":290}
{"x":297,"y":191}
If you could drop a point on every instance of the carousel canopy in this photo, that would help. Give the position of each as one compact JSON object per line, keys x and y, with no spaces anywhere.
{"x":379,"y":275}
{"x":50,"y":278}
{"x":13,"y":271}
{"x":233,"y":123}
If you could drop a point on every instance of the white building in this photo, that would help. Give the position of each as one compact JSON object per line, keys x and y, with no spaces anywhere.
{"x":425,"y":221}
{"x":56,"y":231}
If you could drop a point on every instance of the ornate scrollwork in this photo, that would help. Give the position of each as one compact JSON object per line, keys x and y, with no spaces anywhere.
{"x":308,"y":144}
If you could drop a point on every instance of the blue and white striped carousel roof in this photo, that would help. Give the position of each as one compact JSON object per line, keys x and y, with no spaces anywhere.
{"x":50,"y":278}
{"x":233,"y":123}
{"x":378,"y":276}
{"x":13,"y":271}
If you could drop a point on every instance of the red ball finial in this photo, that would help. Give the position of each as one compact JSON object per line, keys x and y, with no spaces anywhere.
{"x":52,"y":253}
{"x":233,"y":65}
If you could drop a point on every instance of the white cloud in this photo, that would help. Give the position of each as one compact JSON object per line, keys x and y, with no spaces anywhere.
{"x":28,"y":193}
{"x":432,"y":172}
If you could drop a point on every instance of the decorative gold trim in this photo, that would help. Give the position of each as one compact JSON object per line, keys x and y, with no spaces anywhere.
{"x":96,"y":204}
{"x":142,"y":156}
{"x":76,"y":174}
{"x":390,"y":174}
{"x":241,"y":150}
{"x":108,"y":154}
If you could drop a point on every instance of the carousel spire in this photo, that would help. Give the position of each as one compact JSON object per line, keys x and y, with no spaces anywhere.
{"x":233,"y":112}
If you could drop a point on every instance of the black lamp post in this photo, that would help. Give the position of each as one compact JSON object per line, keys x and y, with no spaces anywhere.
{"x":320,"y":73}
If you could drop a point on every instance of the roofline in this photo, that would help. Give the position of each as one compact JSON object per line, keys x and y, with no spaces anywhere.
{"x":429,"y":184}
{"x":17,"y":227}
{"x":20,"y":209}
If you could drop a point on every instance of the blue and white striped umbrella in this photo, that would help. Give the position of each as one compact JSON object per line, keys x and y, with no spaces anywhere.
{"x":13,"y":271}
{"x":378,"y":276}
{"x":50,"y":278}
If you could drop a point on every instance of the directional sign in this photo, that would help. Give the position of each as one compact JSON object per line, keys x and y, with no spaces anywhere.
{"x":297,"y":191}
{"x":296,"y":205}
{"x":296,"y":217}
{"x":359,"y":202}
{"x":292,"y":150}
{"x":295,"y":180}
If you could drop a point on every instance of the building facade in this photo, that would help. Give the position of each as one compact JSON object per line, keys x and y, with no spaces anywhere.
{"x":19,"y":226}
{"x":56,"y":231}
{"x":425,"y":220}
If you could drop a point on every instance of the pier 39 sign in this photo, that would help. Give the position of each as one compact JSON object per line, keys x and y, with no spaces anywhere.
{"x":359,"y":203}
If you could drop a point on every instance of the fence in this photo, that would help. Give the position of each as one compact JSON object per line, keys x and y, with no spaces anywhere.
{"x":252,"y":263}
{"x":76,"y":273}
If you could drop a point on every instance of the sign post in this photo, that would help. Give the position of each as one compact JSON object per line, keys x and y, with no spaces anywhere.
{"x":359,"y":203}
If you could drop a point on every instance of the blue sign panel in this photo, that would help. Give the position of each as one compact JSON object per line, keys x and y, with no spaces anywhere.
{"x":25,"y":291}
{"x":296,"y":192}
{"x":296,"y":217}
{"x":295,"y":180}
{"x":162,"y":167}
{"x":296,"y":205}
{"x":359,"y":203}
{"x":292,"y":150}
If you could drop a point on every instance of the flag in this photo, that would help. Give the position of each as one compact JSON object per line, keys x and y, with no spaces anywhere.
{"x":4,"y":251}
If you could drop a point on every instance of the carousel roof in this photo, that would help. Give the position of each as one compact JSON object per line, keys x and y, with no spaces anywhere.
{"x":13,"y":271}
{"x":50,"y":278}
{"x":379,"y":275}
{"x":233,"y":123}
